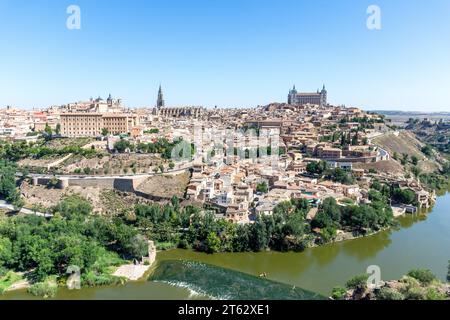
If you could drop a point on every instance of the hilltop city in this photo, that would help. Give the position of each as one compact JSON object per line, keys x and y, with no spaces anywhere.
{"x":324,"y":151}
{"x":285,"y":176}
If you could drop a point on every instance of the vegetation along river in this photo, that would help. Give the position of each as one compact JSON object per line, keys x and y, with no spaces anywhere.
{"x":422,"y":241}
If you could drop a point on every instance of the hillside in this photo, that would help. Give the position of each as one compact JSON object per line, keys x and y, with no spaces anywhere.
{"x":402,"y":143}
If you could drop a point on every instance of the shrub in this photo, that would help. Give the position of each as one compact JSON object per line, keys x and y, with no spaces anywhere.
{"x":93,"y":279}
{"x":338,"y":293}
{"x":434,"y":294}
{"x":424,"y":276}
{"x":46,"y":289}
{"x":165,"y":245}
{"x":389,"y":294}
{"x":415,"y":293}
{"x":358,"y":282}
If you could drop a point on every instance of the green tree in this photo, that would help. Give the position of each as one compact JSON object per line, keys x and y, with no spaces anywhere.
{"x":357,"y":282}
{"x":424,"y":276}
{"x":105,"y":132}
{"x":48,"y":130}
{"x":6,"y":253}
{"x":262,"y":187}
{"x":122,"y":145}
{"x":213,"y":243}
{"x":73,"y":206}
{"x":395,"y":156}
{"x":338,"y":293}
{"x":405,"y":196}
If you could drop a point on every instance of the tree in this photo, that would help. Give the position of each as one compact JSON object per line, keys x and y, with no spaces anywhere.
{"x":73,"y":206}
{"x":48,"y":130}
{"x":105,"y":132}
{"x":365,"y":141}
{"x":395,"y":156}
{"x":171,"y":165}
{"x":122,"y":145}
{"x":212,"y":243}
{"x":8,"y":189}
{"x":262,"y":187}
{"x":338,"y":293}
{"x":6,"y":253}
{"x":355,"y":139}
{"x":414,"y":160}
{"x":317,"y":167}
{"x":258,"y":235}
{"x":424,"y":276}
{"x":358,"y":282}
{"x":328,"y":216}
{"x":427,"y":150}
{"x":416,"y":171}
{"x":58,"y":129}
{"x":406,"y":196}
{"x":404,"y":160}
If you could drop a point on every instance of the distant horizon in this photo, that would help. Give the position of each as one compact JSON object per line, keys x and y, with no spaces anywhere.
{"x":383,"y":109}
{"x":228,"y":53}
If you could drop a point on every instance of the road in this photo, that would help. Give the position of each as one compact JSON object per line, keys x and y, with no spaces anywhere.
{"x":101,"y":177}
{"x":10,"y":207}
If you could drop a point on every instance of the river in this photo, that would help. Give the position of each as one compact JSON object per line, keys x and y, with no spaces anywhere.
{"x":422,"y":241}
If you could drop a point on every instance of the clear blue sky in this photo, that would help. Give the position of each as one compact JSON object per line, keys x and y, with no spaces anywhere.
{"x":226,"y":52}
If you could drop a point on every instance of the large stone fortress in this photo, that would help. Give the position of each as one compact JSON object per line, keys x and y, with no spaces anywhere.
{"x":301,"y":98}
{"x":175,"y":112}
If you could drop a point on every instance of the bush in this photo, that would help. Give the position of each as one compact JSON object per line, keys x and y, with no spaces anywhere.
{"x":46,"y":289}
{"x":424,"y":276}
{"x":357,"y":282}
{"x":184,"y":244}
{"x":93,"y":279}
{"x":389,"y":294}
{"x":415,"y":293}
{"x":338,"y":293}
{"x":165,"y":245}
{"x":434,"y":294}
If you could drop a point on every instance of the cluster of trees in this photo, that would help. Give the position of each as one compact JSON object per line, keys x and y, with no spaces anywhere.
{"x":317,"y":167}
{"x":8,"y":188}
{"x":361,"y":219}
{"x":21,"y":150}
{"x":285,"y":230}
{"x":383,"y":192}
{"x":190,"y":227}
{"x":340,"y":175}
{"x":164,"y":147}
{"x":334,"y":174}
{"x":73,"y":237}
{"x":405,"y":196}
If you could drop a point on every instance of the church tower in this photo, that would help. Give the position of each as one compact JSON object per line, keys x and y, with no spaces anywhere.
{"x":323,"y":97}
{"x":160,"y":103}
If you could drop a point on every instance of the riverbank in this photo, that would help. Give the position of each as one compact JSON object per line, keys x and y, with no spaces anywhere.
{"x":421,"y":241}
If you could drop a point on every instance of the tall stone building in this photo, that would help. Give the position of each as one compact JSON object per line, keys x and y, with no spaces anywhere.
{"x":301,"y":98}
{"x":160,"y":103}
{"x":175,"y":112}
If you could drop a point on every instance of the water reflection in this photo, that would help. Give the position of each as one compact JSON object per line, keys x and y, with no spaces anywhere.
{"x":368,"y":247}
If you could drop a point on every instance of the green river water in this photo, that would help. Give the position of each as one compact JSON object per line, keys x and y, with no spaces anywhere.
{"x":422,"y":241}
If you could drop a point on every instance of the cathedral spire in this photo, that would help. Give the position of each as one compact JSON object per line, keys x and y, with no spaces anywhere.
{"x":160,"y":103}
